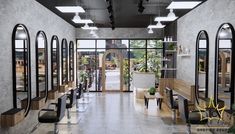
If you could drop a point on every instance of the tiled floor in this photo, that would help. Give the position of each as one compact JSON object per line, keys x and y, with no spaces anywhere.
{"x":119,"y":113}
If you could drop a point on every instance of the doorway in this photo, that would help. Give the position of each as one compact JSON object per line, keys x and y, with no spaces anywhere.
{"x":112,"y":71}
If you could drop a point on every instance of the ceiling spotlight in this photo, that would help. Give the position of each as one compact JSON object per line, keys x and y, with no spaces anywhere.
{"x":150,"y":31}
{"x":140,"y":5}
{"x":171,"y":15}
{"x":70,"y":9}
{"x":110,"y":8}
{"x":112,"y":22}
{"x":86,"y":26}
{"x":111,"y":17}
{"x":113,"y":27}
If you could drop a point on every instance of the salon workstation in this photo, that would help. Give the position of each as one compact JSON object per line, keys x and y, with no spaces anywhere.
{"x":117,"y":67}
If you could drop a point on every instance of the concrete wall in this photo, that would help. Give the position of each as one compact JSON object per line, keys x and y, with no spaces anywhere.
{"x":122,"y":33}
{"x":208,"y":16}
{"x":35,"y":17}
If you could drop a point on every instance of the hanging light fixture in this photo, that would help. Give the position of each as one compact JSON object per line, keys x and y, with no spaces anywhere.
{"x":159,"y":25}
{"x":171,"y":15}
{"x":77,"y":19}
{"x":150,"y":31}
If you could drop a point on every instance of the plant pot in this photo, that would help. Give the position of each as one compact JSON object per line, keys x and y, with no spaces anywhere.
{"x":152,"y":93}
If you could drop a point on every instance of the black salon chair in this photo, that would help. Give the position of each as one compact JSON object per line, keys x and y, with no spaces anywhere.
{"x":53,"y":115}
{"x":72,"y":97}
{"x":190,"y":117}
{"x":173,"y":103}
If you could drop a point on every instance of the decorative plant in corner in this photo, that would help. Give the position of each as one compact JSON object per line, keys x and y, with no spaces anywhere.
{"x":152,"y":90}
{"x":83,"y":75}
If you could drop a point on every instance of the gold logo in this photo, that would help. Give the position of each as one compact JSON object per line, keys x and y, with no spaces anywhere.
{"x":210,"y":111}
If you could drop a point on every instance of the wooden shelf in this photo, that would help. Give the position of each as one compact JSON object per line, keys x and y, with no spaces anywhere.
{"x":12,"y":117}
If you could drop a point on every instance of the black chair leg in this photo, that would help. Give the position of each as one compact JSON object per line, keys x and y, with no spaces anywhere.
{"x":56,"y":131}
{"x":68,"y":114}
{"x":189,"y":128}
{"x":174,"y":111}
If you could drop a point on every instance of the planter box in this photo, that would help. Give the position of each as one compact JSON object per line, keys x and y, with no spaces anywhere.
{"x":63,"y":88}
{"x":52,"y":94}
{"x":12,"y":117}
{"x":36,"y":103}
{"x":71,"y":83}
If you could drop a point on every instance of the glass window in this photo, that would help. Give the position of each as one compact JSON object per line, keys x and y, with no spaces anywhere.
{"x":154,"y":44}
{"x":137,"y":43}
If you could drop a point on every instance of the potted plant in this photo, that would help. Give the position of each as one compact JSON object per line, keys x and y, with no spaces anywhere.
{"x":152,"y":91}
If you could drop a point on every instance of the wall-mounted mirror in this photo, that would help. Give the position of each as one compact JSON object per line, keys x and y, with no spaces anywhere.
{"x":55,"y":63}
{"x":71,"y":61}
{"x":224,"y":65}
{"x":21,"y":68}
{"x":41,"y":65}
{"x":64,"y":62}
{"x":201,"y":66}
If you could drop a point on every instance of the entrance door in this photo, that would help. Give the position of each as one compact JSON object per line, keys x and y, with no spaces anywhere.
{"x":112,"y":71}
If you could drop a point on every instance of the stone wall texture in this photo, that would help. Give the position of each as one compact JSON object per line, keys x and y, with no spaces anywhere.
{"x":36,"y":17}
{"x":208,"y":16}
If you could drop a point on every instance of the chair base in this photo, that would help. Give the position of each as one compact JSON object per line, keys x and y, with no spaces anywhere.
{"x":88,"y":95}
{"x":84,"y":101}
{"x":73,"y":120}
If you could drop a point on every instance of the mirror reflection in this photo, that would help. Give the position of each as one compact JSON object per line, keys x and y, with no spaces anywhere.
{"x":54,"y":63}
{"x":71,"y":61}
{"x":21,"y":68}
{"x":64,"y":62}
{"x":41,"y":65}
{"x":224,"y":49}
{"x":202,"y":53}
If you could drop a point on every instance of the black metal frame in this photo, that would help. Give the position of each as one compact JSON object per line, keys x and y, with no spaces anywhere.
{"x":28,"y":69}
{"x":71,"y":61}
{"x":54,"y":37}
{"x":128,"y":49}
{"x":46,"y":64}
{"x":64,"y":45}
{"x":232,"y":64}
{"x":196,"y":64}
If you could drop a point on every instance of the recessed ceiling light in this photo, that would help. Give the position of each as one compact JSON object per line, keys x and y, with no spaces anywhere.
{"x":82,"y":21}
{"x":183,"y":4}
{"x":90,"y":28}
{"x":164,"y":19}
{"x":158,"y":25}
{"x":70,"y":9}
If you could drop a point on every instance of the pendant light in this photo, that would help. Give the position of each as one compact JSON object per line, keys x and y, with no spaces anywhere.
{"x":150,"y":31}
{"x":171,"y":15}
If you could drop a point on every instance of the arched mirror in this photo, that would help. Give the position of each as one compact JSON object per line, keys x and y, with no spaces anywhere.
{"x":224,"y":66}
{"x":64,"y":62}
{"x":71,"y":61}
{"x":201,"y":66}
{"x":21,"y":68}
{"x":41,"y":65}
{"x":55,"y":63}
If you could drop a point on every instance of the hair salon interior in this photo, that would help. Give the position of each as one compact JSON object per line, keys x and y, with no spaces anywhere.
{"x":117,"y":66}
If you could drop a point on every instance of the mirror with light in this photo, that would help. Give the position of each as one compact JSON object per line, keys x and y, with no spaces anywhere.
{"x":41,"y":66}
{"x":21,"y":68}
{"x":201,"y":66}
{"x":224,"y":66}
{"x":55,"y":63}
{"x":71,"y":61}
{"x":64,"y":62}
